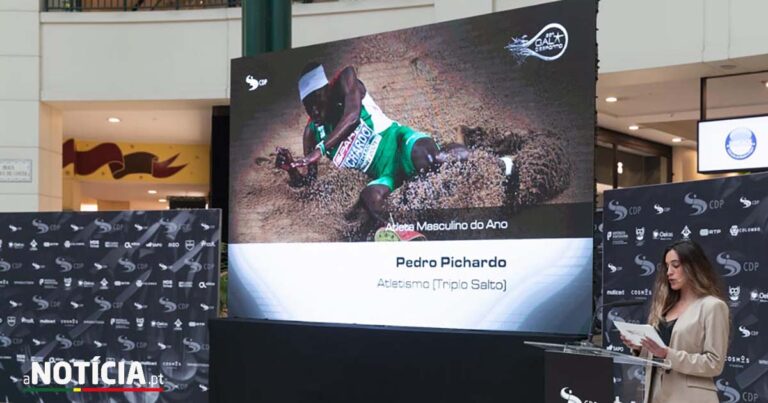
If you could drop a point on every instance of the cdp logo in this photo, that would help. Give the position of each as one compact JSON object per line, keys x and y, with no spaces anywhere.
{"x":622,"y":212}
{"x":701,"y":206}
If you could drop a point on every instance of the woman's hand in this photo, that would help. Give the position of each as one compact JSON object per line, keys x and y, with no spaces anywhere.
{"x":629,"y":344}
{"x":655,"y":349}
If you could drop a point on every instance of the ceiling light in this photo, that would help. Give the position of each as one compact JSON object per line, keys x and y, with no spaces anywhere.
{"x":677,"y":140}
{"x":162,"y":200}
{"x":611,"y":100}
{"x":634,"y":127}
{"x":113,"y":120}
{"x":89,"y":207}
{"x":152,"y":192}
{"x":765,"y":83}
{"x":619,"y":168}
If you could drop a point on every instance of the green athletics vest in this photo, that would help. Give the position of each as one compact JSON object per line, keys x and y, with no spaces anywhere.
{"x":358,"y":151}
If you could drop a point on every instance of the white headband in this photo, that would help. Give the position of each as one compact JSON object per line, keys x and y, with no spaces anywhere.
{"x":312,"y":81}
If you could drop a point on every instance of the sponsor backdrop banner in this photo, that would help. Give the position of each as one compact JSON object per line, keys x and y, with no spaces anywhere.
{"x":134,"y":286}
{"x":729,"y":218}
{"x":504,"y":214}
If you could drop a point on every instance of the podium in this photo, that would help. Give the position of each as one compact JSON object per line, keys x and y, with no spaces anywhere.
{"x":587,"y":373}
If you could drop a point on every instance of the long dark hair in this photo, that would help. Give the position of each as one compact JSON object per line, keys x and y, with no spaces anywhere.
{"x":699,"y":272}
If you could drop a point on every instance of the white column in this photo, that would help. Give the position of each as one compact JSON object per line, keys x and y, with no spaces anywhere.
{"x":30,"y":132}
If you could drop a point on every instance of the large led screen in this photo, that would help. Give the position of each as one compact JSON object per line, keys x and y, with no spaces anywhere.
{"x":439,"y":176}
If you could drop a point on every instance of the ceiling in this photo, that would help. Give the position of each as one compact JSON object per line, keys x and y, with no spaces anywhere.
{"x":665,"y":102}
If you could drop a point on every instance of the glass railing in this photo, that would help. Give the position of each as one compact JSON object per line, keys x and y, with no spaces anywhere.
{"x":135,"y":5}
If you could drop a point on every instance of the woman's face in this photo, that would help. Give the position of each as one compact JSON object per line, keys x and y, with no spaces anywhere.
{"x":675,"y":273}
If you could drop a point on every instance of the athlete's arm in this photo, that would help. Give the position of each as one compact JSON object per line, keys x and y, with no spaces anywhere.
{"x":353,"y":92}
{"x":309,"y":146}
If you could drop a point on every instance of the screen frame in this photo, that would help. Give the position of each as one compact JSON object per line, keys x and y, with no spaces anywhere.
{"x":698,"y":146}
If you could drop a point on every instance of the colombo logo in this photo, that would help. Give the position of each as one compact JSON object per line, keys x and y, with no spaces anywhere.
{"x":54,"y":377}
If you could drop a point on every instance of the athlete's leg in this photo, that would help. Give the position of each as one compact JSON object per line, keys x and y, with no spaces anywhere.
{"x":373,"y":198}
{"x":427,"y":156}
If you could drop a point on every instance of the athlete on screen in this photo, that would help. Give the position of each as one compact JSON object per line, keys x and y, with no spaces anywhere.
{"x":347,"y":126}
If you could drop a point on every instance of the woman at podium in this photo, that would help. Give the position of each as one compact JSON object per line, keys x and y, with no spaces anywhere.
{"x":690,"y":314}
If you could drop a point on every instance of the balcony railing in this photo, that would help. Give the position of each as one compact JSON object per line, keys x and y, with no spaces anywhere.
{"x":135,"y":5}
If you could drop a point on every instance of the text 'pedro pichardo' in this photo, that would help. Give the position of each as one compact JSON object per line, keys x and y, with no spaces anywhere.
{"x":62,"y":373}
{"x":452,"y":262}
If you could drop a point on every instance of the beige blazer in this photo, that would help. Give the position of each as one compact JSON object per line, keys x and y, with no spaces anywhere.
{"x":697,"y":351}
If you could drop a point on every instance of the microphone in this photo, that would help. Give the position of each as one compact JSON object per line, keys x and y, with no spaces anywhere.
{"x":614,"y":304}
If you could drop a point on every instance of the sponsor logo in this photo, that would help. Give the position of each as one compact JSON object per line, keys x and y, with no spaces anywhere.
{"x":758,"y":296}
{"x":255,"y":83}
{"x":140,"y":283}
{"x":40,"y":226}
{"x":167,"y":283}
{"x":140,"y":323}
{"x":14,"y":228}
{"x":733,"y":267}
{"x":121,"y":283}
{"x":207,"y":244}
{"x":548,"y":44}
{"x":11,"y":321}
{"x":5,"y":341}
{"x":111,"y":244}
{"x":185,"y":284}
{"x":120,"y":323}
{"x":746,"y":203}
{"x":163,"y":267}
{"x":158,"y":325}
{"x":50,"y":244}
{"x":139,"y":306}
{"x":64,"y":343}
{"x":27,"y":321}
{"x":737,"y":361}
{"x":169,"y":226}
{"x":205,"y":307}
{"x":619,"y":349}
{"x":194,"y":267}
{"x":615,"y":292}
{"x":736,"y":230}
{"x":75,"y":305}
{"x":162,"y":346}
{"x":193,"y":347}
{"x":3,"y":283}
{"x":734,"y":293}
{"x":104,"y":227}
{"x":641,"y":293}
{"x":207,"y":227}
{"x":196,"y":324}
{"x":42,"y":304}
{"x":709,"y":231}
{"x":153,"y":245}
{"x":47,"y":321}
{"x":128,"y":345}
{"x":70,"y":244}
{"x":640,"y":235}
{"x":686,"y":232}
{"x":33,"y":245}
{"x":93,"y":322}
{"x":4,"y":266}
{"x":103,"y":284}
{"x":85,"y":283}
{"x":69,"y":322}
{"x":37,"y":266}
{"x":740,"y":143}
{"x":646,"y":266}
{"x":620,"y":211}
{"x":14,"y":304}
{"x":177,"y":324}
{"x":75,"y":228}
{"x":617,"y":237}
{"x":99,"y":344}
{"x":661,"y":235}
{"x":567,"y":394}
{"x":171,"y":306}
{"x":23,"y":282}
{"x":94,"y":243}
{"x":36,"y":342}
{"x":745,"y":332}
{"x":104,"y":305}
{"x":205,"y":284}
{"x":15,"y":245}
{"x":100,"y":266}
{"x":127,"y":265}
{"x":189,"y":244}
{"x":660,"y":210}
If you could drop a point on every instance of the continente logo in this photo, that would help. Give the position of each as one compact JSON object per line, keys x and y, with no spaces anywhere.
{"x":90,"y":377}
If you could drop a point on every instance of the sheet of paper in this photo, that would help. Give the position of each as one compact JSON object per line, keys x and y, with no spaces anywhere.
{"x":635,"y":333}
